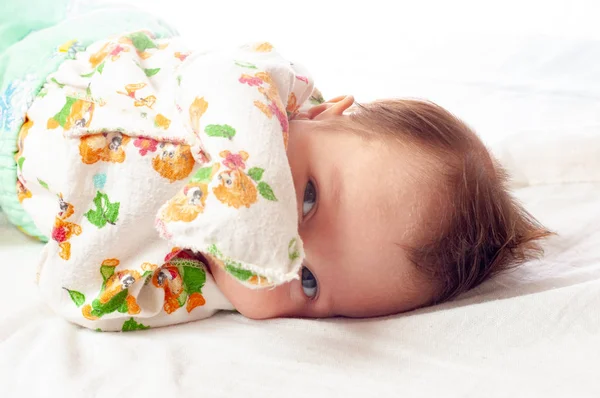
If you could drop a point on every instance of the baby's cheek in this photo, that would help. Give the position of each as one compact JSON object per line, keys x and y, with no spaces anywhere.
{"x":260,"y":303}
{"x":268,"y":303}
{"x":284,"y":300}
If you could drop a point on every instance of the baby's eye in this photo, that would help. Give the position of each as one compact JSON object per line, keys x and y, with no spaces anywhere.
{"x":309,"y":283}
{"x":310,"y":198}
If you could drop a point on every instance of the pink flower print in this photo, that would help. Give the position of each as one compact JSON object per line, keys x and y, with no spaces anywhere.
{"x":234,"y":161}
{"x":201,"y":157}
{"x":145,"y":144}
{"x":181,"y":56}
{"x":281,"y":116}
{"x":302,"y":79}
{"x":59,"y":234}
{"x":117,"y":50}
{"x":250,"y":80}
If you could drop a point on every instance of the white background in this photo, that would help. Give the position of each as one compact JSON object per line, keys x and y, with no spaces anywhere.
{"x":526,"y":75}
{"x":506,"y":67}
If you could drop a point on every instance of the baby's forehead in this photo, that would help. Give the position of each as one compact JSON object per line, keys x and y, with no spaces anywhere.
{"x":390,"y":190}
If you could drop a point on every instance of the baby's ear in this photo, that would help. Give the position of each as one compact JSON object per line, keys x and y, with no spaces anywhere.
{"x":333,"y":107}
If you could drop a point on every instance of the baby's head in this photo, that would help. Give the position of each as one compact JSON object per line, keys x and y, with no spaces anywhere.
{"x":400,"y":206}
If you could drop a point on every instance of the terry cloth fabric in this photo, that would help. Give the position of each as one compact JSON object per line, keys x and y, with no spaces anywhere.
{"x":138,"y":153}
{"x":35,"y":37}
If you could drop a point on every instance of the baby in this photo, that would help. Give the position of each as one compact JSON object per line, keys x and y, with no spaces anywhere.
{"x":398,"y":204}
{"x":401,"y":206}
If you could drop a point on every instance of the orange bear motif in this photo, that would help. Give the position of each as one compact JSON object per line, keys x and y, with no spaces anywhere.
{"x":131,"y":92}
{"x":189,"y":202}
{"x":111,"y":49}
{"x":181,"y":278}
{"x":236,"y":188}
{"x":272,"y":104}
{"x":173,"y":161}
{"x":114,"y":293}
{"x":106,"y":147}
{"x":63,"y":230}
{"x":75,"y":113}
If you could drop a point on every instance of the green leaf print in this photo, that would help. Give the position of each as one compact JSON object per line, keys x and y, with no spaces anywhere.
{"x":114,"y":304}
{"x":245,"y":64}
{"x":77,"y":297}
{"x":141,"y":41}
{"x":239,"y":273}
{"x":220,"y":130}
{"x":89,"y":74}
{"x":202,"y":175}
{"x":106,"y":272}
{"x":182,"y":262}
{"x":293,"y":252}
{"x":123,"y":307}
{"x":151,"y":72}
{"x":20,"y":163}
{"x":105,"y":212}
{"x":193,"y":279}
{"x":266,"y":192}
{"x":182,"y":299}
{"x":316,"y":99}
{"x":130,"y":325}
{"x":98,"y":69}
{"x":60,"y":85}
{"x":256,"y":173}
{"x":214,"y":251}
{"x":43,"y":183}
{"x":63,"y":114}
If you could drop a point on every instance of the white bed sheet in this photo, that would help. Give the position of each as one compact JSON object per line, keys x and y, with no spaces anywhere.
{"x":534,"y":332}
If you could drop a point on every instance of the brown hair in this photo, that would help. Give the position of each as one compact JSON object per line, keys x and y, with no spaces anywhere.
{"x":484,"y":229}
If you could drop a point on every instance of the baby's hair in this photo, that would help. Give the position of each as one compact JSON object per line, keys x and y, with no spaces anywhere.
{"x":483,"y":229}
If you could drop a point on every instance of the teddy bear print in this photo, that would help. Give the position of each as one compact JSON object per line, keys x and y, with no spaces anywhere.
{"x":190,"y":201}
{"x":138,"y":101}
{"x":173,"y":161}
{"x":106,"y":147}
{"x":236,"y":188}
{"x":114,"y":293}
{"x":272,"y":104}
{"x":181,"y":278}
{"x":63,"y":230}
{"x":111,"y":49}
{"x":75,"y":113}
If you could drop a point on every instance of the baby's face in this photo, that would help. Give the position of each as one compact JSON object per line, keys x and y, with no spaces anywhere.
{"x":359,"y":202}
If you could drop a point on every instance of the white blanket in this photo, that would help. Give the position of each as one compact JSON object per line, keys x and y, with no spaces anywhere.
{"x":534,"y":332}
